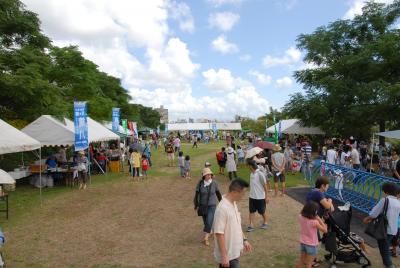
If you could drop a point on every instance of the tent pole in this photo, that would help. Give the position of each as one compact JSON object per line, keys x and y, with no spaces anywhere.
{"x":40,"y":174}
{"x":90,"y":176}
{"x":372,"y":151}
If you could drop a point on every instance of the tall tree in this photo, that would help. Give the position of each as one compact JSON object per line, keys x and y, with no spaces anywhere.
{"x":356,"y":80}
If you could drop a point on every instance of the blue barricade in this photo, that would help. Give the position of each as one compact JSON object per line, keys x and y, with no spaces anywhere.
{"x":362,"y":189}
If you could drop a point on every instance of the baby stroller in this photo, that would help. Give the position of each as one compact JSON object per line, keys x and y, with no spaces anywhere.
{"x":343,"y":245}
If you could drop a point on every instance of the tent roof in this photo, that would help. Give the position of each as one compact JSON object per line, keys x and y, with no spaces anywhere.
{"x":13,"y":140}
{"x":96,"y":131}
{"x":293,"y":126}
{"x":203,"y":126}
{"x":50,"y":131}
{"x":228,"y":126}
{"x":394,"y":134}
{"x":121,"y":130}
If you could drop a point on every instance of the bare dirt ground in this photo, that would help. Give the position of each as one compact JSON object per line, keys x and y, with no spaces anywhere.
{"x":150,"y":223}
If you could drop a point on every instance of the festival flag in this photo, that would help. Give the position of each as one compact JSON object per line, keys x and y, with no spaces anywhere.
{"x":276,"y":132}
{"x":81,"y":126}
{"x":115,"y":119}
{"x":125,"y":125}
{"x":280,"y":129}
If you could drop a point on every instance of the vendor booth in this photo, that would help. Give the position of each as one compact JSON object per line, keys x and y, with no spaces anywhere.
{"x":13,"y":140}
{"x":294,"y":126}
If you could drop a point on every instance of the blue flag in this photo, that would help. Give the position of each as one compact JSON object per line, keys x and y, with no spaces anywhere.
{"x":214,"y":127}
{"x":81,"y":126}
{"x":115,"y":119}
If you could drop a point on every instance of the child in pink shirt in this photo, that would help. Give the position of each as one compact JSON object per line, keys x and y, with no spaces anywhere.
{"x":310,"y":222}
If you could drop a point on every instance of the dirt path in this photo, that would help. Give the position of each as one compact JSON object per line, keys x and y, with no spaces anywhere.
{"x":141,"y":224}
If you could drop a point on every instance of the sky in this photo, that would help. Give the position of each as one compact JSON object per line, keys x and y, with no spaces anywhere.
{"x":209,"y":59}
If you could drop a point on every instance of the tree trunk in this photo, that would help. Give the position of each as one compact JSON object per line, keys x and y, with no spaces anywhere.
{"x":382,"y":129}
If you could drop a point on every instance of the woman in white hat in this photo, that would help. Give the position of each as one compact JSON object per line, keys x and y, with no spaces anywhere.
{"x":205,"y":201}
{"x":278,"y":168}
{"x":231,"y":163}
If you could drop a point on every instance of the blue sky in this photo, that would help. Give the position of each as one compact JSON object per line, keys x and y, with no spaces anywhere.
{"x":200,"y":59}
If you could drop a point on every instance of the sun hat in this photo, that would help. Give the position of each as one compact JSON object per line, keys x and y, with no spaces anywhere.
{"x":206,"y":171}
{"x":277,"y":148}
{"x":81,"y":152}
{"x":207,"y":164}
{"x":229,"y":150}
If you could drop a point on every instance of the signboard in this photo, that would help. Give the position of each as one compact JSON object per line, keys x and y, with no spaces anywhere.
{"x":81,"y":126}
{"x":115,"y":119}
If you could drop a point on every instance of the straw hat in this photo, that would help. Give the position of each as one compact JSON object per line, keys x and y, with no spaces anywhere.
{"x":229,"y":150}
{"x":207,"y":164}
{"x":206,"y":171}
{"x":81,"y":152}
{"x":277,"y":148}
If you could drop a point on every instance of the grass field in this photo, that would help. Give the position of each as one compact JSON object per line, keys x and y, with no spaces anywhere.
{"x":118,"y":222}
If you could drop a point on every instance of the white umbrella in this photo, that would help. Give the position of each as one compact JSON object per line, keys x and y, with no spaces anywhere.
{"x":253,"y":151}
{"x":6,"y":178}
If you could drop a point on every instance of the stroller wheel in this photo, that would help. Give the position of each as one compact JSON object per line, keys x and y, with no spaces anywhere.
{"x":328,"y":256}
{"x":363,"y":261}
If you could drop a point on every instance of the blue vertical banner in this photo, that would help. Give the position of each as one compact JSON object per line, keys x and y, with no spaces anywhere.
{"x":158,"y":130}
{"x":166,"y":130}
{"x":214,"y":127}
{"x":280,"y":130}
{"x":115,"y":119}
{"x":81,"y":126}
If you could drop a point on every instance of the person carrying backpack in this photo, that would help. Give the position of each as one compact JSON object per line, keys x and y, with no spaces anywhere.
{"x":221,"y":159}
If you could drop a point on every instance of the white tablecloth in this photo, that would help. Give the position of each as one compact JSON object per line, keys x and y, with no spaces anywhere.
{"x":19,"y":174}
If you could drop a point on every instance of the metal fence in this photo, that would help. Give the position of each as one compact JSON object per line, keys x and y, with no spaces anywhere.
{"x":362,"y":189}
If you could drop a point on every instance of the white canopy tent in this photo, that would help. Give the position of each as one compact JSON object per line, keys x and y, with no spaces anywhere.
{"x":394,"y":134}
{"x":13,"y":140}
{"x":50,"y":131}
{"x":121,"y":130}
{"x":96,"y":131}
{"x":228,"y":126}
{"x":203,"y":126}
{"x":293,"y":126}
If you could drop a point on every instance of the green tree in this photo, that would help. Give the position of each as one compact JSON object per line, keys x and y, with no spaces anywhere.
{"x":356,"y":80}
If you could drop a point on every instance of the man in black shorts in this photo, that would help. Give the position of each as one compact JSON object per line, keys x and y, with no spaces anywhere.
{"x":221,"y":159}
{"x":258,"y":195}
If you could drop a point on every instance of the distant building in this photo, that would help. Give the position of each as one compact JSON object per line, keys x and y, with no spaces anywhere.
{"x":163,"y":114}
{"x":191,"y":120}
{"x":203,"y":120}
{"x":239,"y":118}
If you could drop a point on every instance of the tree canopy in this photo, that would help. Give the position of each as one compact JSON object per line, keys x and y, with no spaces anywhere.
{"x":354,"y":83}
{"x":38,"y":78}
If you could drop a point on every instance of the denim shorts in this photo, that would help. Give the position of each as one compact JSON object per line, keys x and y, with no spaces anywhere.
{"x":309,"y":250}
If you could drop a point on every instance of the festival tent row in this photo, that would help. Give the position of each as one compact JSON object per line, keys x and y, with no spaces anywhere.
{"x":52,"y":132}
{"x":204,"y":126}
{"x":294,"y":126}
{"x":13,"y":140}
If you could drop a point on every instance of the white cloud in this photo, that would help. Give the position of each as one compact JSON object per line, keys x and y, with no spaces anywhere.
{"x":245,"y":57}
{"x":218,"y":3}
{"x":222,"y":45}
{"x":292,"y":55}
{"x":221,"y":80}
{"x":223,"y":20}
{"x":261,"y":78}
{"x":182,"y":13}
{"x":357,"y":5}
{"x":132,"y":40}
{"x":284,"y":82}
{"x":244,"y":100}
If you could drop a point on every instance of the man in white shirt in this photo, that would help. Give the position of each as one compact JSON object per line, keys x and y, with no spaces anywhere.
{"x":258,"y":195}
{"x":227,"y":229}
{"x":355,"y":157}
{"x":331,"y":155}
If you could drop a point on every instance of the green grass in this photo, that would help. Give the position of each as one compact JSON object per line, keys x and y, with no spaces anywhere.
{"x":25,"y":198}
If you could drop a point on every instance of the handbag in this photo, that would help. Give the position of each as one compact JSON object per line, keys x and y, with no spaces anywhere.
{"x":377,"y":228}
{"x":203,"y":209}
